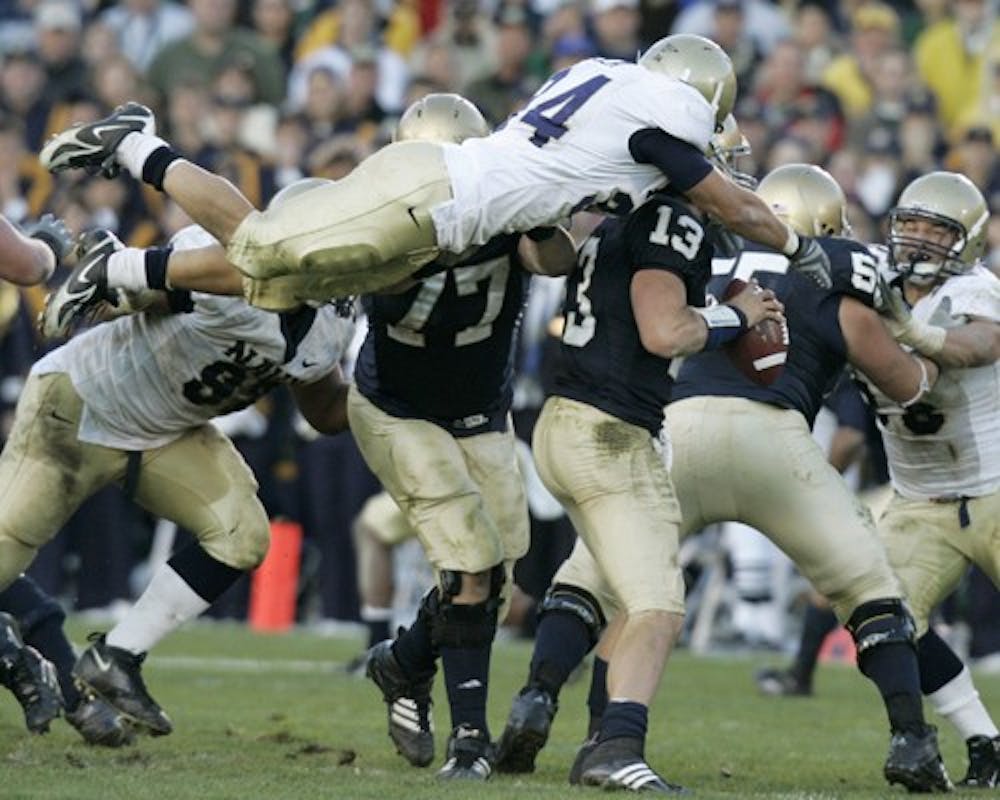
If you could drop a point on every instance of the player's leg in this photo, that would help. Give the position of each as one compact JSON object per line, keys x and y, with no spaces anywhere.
{"x":837,"y":549}
{"x":930,"y":546}
{"x":202,"y":483}
{"x":40,"y":619}
{"x":625,"y":510}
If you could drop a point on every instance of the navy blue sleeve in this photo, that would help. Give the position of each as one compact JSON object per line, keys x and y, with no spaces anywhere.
{"x":683,"y":163}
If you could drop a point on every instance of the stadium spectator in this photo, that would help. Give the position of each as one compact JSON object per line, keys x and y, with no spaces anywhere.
{"x":143,"y":27}
{"x":58,"y":24}
{"x":616,"y":28}
{"x":500,"y":93}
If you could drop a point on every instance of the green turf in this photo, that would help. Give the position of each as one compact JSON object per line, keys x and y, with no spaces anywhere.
{"x":271,"y":717}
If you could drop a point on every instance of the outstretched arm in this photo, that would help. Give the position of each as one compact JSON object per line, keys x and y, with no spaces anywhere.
{"x":210,"y":200}
{"x":204,"y":269}
{"x":23,"y":260}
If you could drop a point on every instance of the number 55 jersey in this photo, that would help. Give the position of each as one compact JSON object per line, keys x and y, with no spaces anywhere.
{"x":949,"y":445}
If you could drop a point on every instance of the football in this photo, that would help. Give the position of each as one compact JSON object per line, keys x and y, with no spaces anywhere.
{"x":760,"y":353}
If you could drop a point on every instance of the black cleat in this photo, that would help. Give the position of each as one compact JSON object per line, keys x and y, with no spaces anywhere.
{"x":98,"y":723}
{"x":781,"y":683}
{"x":92,"y":146}
{"x":115,"y":676}
{"x":85,"y":288}
{"x":408,"y":701}
{"x":585,"y":750}
{"x":984,"y":763}
{"x":619,"y":765}
{"x":470,"y":756}
{"x":527,"y":731}
{"x":30,"y":677}
{"x":915,"y":762}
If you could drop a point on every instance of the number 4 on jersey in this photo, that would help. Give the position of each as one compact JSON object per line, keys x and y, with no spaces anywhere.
{"x":565,"y":105}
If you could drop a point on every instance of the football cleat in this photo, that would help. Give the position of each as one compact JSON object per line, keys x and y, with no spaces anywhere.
{"x":576,"y":770}
{"x":470,"y":755}
{"x":115,"y":676}
{"x":84,"y":289}
{"x":914,"y":762}
{"x":98,"y":723}
{"x":618,"y":765}
{"x":527,"y":731}
{"x":984,"y":763}
{"x":92,"y":146}
{"x":408,"y":701}
{"x":30,"y":677}
{"x":781,"y":683}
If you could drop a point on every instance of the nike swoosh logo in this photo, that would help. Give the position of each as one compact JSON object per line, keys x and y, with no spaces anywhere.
{"x":102,"y":664}
{"x":410,"y":210}
{"x":307,"y":364}
{"x":54,"y":415}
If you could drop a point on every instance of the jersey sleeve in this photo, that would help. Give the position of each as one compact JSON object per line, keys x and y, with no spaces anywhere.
{"x":853,"y":269}
{"x":664,"y":234}
{"x":976,"y":294}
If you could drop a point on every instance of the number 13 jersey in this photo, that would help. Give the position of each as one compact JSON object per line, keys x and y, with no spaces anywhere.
{"x":567,"y":150}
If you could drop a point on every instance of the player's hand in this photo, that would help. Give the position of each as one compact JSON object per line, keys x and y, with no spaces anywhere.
{"x":758,"y":304}
{"x":889,"y":302}
{"x":53,"y":232}
{"x":812,"y":261}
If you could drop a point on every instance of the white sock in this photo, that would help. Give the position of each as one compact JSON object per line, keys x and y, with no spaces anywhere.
{"x":167,"y":603}
{"x":375,"y":614}
{"x":127,"y":270}
{"x":958,"y":702}
{"x":134,"y":149}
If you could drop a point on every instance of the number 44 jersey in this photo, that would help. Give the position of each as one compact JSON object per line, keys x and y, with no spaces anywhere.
{"x":948,"y":446}
{"x":568,"y":149}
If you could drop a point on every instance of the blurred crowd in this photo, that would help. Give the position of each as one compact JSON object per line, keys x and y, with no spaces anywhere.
{"x":268,"y":91}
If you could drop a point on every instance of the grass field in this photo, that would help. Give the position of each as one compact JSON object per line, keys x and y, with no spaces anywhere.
{"x":274,"y":717}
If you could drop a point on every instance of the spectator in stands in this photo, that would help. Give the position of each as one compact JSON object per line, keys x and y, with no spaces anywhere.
{"x":729,"y":31}
{"x":58,"y":25}
{"x":766,"y":22}
{"x":500,"y":94}
{"x":274,"y":22}
{"x":22,"y":87}
{"x":616,"y":28}
{"x":143,"y":27}
{"x":816,"y":37}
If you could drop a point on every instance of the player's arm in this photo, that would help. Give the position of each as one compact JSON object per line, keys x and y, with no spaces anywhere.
{"x":903,"y":377}
{"x":203,"y":269}
{"x":24,"y":260}
{"x":669,"y":327}
{"x":324,"y":403}
{"x":547,"y":251}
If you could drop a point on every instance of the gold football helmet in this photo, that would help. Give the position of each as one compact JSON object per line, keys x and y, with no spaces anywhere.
{"x":938,"y":226}
{"x":726,"y":148}
{"x":807,"y":198}
{"x":441,"y":118}
{"x":698,"y":62}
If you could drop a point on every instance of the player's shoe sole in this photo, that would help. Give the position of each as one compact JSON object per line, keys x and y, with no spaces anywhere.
{"x":92,"y":146}
{"x":527,"y":731}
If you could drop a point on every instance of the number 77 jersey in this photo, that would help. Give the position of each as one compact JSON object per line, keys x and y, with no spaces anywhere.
{"x":568,"y":149}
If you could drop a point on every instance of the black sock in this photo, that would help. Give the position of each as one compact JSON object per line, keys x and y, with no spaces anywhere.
{"x":938,"y":663}
{"x":597,"y":699}
{"x":207,"y":576}
{"x":378,"y":631}
{"x":624,"y":718}
{"x":817,"y":624}
{"x":414,"y":650}
{"x":892,"y":667}
{"x":466,"y":677}
{"x":40,"y":619}
{"x":561,"y":642}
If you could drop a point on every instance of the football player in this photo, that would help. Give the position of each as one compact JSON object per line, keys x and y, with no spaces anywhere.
{"x":430,"y":412}
{"x":28,"y":259}
{"x":635,"y":301}
{"x":944,"y":453}
{"x":599,"y":134}
{"x":741,"y":450}
{"x":129,"y":402}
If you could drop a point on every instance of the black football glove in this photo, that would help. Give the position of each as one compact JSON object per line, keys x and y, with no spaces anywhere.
{"x":52,"y":231}
{"x":812,"y":261}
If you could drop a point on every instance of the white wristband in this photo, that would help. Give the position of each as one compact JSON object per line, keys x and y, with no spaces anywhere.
{"x":127,"y":270}
{"x":925,"y":384}
{"x":791,"y":243}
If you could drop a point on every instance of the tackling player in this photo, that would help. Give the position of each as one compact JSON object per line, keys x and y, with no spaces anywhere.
{"x":944,"y":454}
{"x":129,"y":402}
{"x":742,"y":451}
{"x":30,"y":259}
{"x":633,"y":303}
{"x":601,"y":133}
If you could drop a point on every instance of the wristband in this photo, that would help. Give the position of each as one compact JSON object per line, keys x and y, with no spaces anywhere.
{"x":156,"y":259}
{"x":154,"y":168}
{"x":792,"y":244}
{"x":724,"y":322}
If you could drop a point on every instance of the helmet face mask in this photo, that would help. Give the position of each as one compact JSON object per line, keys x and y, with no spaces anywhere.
{"x":725,"y":149}
{"x":807,"y":198}
{"x":938,"y":228}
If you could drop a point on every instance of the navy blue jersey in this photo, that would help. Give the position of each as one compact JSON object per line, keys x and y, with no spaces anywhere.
{"x":816,"y":352}
{"x":443,"y":350}
{"x":603,"y":362}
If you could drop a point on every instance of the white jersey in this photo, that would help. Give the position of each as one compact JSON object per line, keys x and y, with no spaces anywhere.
{"x":950,"y":445}
{"x":145,"y":379}
{"x":568,"y":149}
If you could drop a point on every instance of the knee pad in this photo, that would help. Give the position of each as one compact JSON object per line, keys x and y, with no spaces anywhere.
{"x":456,"y":625}
{"x":567,"y":599}
{"x":881,"y":622}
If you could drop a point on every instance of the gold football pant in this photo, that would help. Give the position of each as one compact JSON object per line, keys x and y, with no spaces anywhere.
{"x":611,"y":479}
{"x":930,"y":550}
{"x":361,"y":234}
{"x":198,"y":481}
{"x":741,"y":460}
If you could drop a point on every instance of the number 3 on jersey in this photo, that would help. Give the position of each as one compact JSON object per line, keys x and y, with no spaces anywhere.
{"x":564,"y":106}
